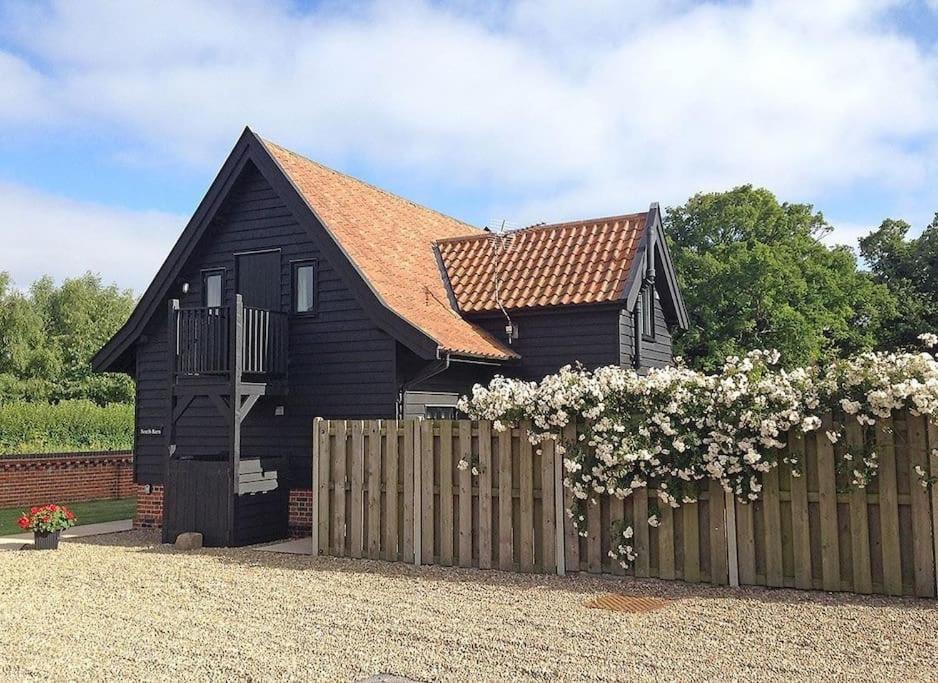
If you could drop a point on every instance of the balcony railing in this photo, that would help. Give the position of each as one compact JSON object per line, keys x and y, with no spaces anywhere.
{"x":211,"y":341}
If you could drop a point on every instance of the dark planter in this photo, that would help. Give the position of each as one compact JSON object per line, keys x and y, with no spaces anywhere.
{"x":46,"y":541}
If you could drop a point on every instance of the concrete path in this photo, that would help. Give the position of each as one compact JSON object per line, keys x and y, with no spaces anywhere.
{"x":299,"y":546}
{"x":17,"y":541}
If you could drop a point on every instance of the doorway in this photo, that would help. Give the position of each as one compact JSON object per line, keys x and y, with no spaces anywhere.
{"x":258,"y":279}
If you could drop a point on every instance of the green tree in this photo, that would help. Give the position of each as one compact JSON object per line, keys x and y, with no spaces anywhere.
{"x":49,"y":334}
{"x":754,"y":274}
{"x":909,"y":268}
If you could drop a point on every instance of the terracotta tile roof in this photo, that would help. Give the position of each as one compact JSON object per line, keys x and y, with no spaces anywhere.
{"x":390,"y":240}
{"x":580,"y":262}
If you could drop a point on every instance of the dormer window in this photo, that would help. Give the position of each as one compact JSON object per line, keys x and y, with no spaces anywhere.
{"x":648,"y":312}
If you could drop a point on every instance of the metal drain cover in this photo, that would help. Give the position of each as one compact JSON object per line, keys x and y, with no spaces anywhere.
{"x":626,"y":603}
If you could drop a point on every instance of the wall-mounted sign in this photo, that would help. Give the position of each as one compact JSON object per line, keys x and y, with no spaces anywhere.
{"x":151,"y":431}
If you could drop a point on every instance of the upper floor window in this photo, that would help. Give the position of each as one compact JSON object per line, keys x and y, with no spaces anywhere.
{"x":213,"y":286}
{"x":305,"y":286}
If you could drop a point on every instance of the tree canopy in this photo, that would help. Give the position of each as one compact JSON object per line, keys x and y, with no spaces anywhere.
{"x":909,"y":268}
{"x":755,"y":274}
{"x":49,"y":334}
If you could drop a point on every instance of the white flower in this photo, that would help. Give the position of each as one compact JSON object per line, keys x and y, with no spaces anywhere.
{"x":810,"y":424}
{"x":628,"y":532}
{"x":928,"y":339}
{"x":653,"y":521}
{"x":463,"y":464}
{"x":833,"y":437}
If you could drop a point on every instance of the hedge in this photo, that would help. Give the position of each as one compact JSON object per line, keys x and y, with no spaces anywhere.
{"x":65,"y":426}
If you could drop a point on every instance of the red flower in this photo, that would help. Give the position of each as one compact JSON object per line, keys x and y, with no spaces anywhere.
{"x":23,"y":522}
{"x":69,"y":514}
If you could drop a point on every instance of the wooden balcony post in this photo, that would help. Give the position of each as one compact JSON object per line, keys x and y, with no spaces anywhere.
{"x":237,"y":367}
{"x":172,"y":344}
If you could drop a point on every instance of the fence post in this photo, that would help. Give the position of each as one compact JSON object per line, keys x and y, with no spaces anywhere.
{"x":732,"y":558}
{"x":317,"y":423}
{"x":559,"y":518}
{"x":933,"y":471}
{"x":418,"y":497}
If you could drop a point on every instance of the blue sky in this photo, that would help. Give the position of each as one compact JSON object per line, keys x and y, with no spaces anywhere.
{"x":114,"y":117}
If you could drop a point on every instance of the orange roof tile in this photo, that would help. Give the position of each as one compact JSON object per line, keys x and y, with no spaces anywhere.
{"x":390,"y":240}
{"x":580,"y":262}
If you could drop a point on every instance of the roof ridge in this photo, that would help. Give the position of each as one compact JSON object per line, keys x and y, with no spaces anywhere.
{"x":373,"y":187}
{"x":543,"y":226}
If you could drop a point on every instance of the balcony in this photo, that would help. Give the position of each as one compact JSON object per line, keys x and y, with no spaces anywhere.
{"x":236,"y":345}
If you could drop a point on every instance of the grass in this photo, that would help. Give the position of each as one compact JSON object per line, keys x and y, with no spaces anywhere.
{"x":89,"y":512}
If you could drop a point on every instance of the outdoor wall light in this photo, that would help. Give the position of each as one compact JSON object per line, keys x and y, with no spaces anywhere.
{"x":185,"y":287}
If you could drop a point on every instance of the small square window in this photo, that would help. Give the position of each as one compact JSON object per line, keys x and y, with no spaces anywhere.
{"x":213,"y":285}
{"x":305,"y":294}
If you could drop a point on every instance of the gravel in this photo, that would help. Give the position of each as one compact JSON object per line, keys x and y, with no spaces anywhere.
{"x":124,"y":607}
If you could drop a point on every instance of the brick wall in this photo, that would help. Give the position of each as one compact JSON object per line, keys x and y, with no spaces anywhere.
{"x":149,"y":508}
{"x":65,"y":477}
{"x":301,"y":513}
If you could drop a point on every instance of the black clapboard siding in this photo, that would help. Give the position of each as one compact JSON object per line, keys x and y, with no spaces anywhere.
{"x":550,"y":339}
{"x":656,"y":352}
{"x":341,"y":364}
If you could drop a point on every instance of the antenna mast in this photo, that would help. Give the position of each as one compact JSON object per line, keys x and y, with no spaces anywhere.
{"x":500,"y":243}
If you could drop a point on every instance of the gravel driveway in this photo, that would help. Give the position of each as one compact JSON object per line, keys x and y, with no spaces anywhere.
{"x":123,"y":607}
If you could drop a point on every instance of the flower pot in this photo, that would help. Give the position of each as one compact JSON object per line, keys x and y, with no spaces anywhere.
{"x":46,"y":541}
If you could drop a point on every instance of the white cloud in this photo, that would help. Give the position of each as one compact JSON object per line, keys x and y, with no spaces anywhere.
{"x":566,"y":108}
{"x":47,"y":235}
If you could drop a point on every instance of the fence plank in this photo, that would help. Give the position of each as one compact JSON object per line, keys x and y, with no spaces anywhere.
{"x":746,"y":543}
{"x":391,"y":549}
{"x":505,"y":541}
{"x":717,"y":519}
{"x":922,"y":547}
{"x":859,"y":518}
{"x":570,"y":533}
{"x":665,"y":541}
{"x":324,"y":473}
{"x":374,"y":489}
{"x":548,"y":505}
{"x":339,"y":478}
{"x":691,"y":542}
{"x":642,"y":545}
{"x":616,"y":519}
{"x":465,"y":494}
{"x":357,"y":489}
{"x":800,"y":523}
{"x":889,"y":507}
{"x":410,"y":450}
{"x":485,"y":495}
{"x":773,"y":528}
{"x":526,"y":504}
{"x":827,"y":504}
{"x":594,"y":536}
{"x":426,"y":492}
{"x":446,"y":492}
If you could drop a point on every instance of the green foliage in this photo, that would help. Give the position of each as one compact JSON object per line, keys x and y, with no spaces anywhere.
{"x":909,"y":268}
{"x":66,"y":426}
{"x":754,"y":274}
{"x":48,"y":336}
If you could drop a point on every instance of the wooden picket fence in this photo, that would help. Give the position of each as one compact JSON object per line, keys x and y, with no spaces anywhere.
{"x":393,"y":490}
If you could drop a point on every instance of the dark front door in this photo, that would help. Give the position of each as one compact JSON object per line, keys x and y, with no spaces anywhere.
{"x":259,"y":280}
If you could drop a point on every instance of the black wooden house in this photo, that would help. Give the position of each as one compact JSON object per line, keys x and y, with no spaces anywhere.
{"x":296,"y":291}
